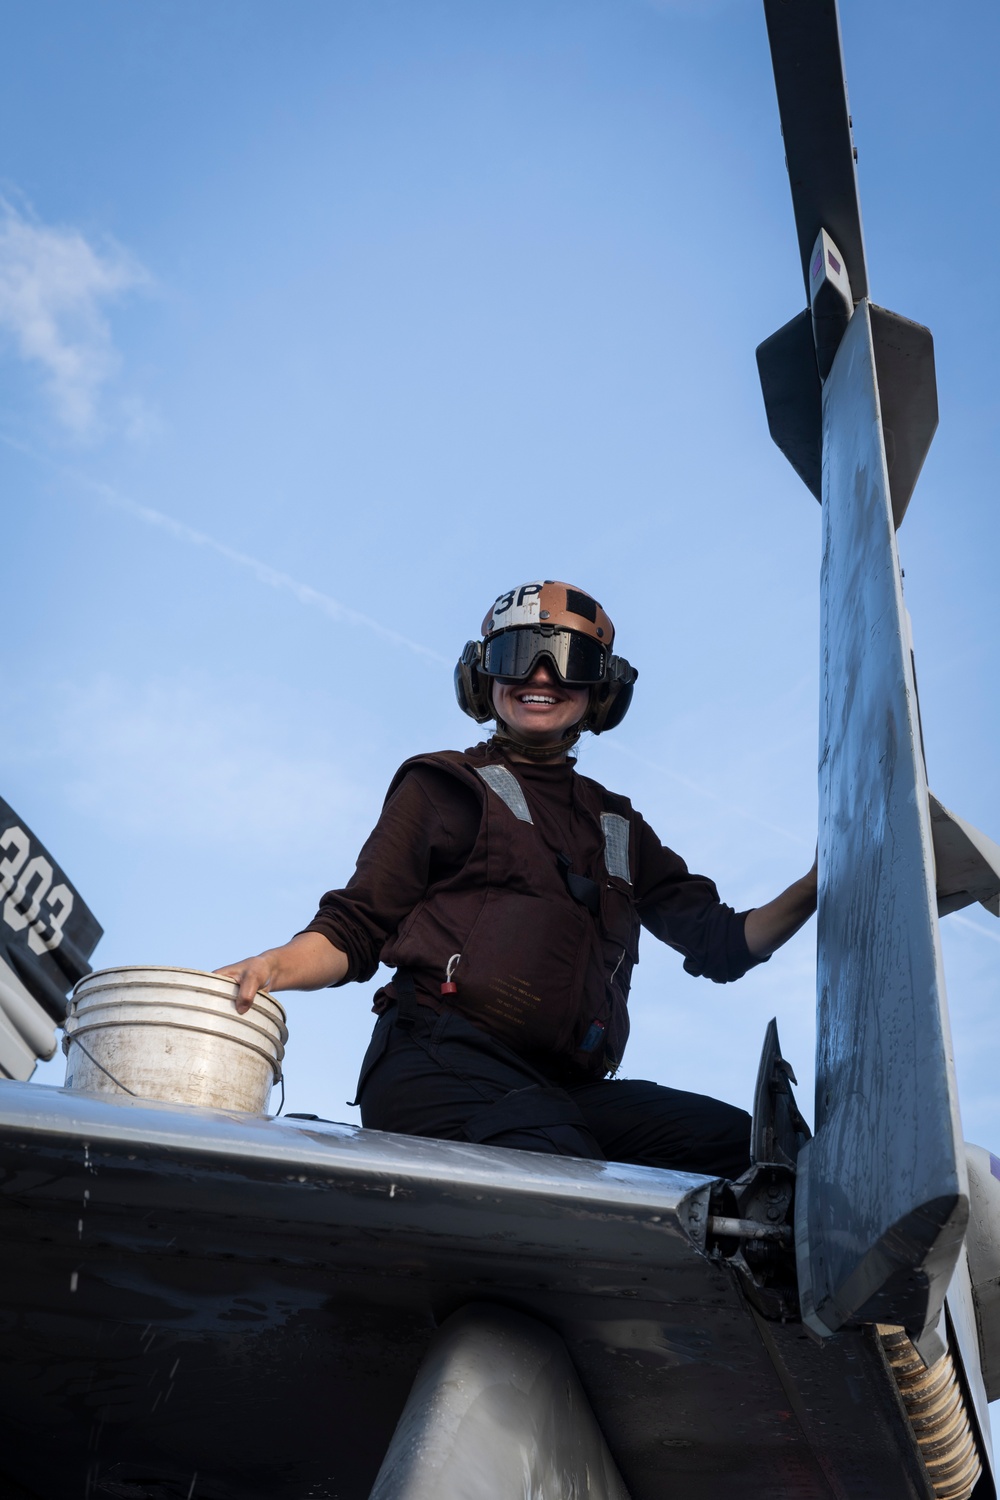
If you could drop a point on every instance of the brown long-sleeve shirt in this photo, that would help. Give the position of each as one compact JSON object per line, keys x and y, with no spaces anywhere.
{"x":428,"y":828}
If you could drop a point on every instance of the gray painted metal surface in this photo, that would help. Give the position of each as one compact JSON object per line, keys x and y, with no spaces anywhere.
{"x":27,"y":1032}
{"x":965,"y":1346}
{"x":966,"y":862}
{"x":907,"y":386}
{"x":497,"y":1412}
{"x":183,"y":1291}
{"x":883,"y":1196}
{"x":982,"y":1247}
{"x":793,"y":398}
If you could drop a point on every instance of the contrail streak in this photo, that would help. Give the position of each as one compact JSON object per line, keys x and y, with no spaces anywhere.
{"x":704,"y":791}
{"x":262,"y":571}
{"x":994,"y":937}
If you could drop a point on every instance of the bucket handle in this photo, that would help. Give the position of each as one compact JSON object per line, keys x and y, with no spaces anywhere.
{"x":104,"y":1070}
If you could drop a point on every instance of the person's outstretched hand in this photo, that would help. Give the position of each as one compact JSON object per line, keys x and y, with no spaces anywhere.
{"x":252,"y":974}
{"x":308,"y":962}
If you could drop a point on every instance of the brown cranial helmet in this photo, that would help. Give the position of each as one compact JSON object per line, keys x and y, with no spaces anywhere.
{"x":557,"y":621}
{"x":558,"y":604}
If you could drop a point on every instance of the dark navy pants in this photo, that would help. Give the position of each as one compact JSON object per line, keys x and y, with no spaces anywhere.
{"x":441,"y":1076}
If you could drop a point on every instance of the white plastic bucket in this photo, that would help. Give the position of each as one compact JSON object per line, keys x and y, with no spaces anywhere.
{"x":173,"y":1034}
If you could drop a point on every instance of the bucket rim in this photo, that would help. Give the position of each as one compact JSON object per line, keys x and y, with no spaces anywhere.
{"x":167,"y":969}
{"x":264,"y":1025}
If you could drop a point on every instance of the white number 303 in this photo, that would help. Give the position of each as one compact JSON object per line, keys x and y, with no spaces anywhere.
{"x":29,"y":883}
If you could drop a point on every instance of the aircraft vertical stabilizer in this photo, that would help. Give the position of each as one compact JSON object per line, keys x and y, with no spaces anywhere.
{"x":816,"y":123}
{"x":851,"y":399}
{"x":883,"y":1201}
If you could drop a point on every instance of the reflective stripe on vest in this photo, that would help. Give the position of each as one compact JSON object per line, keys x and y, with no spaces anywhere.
{"x":614,"y":826}
{"x":616,"y":833}
{"x":507,"y":788}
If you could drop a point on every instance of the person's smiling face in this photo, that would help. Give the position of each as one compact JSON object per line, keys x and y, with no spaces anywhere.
{"x":539,"y":709}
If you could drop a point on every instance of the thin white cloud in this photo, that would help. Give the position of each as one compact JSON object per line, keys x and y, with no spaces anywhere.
{"x":54,"y":287}
{"x":172,"y":759}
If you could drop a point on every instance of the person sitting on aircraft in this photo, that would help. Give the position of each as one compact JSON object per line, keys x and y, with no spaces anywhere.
{"x":507,"y":892}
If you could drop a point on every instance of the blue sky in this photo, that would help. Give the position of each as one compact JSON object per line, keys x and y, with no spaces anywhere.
{"x":321,"y":324}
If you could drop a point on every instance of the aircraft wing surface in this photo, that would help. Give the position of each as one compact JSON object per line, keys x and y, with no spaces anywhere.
{"x":222,"y":1307}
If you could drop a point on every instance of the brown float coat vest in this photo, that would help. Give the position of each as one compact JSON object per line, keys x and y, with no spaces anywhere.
{"x":546,"y":948}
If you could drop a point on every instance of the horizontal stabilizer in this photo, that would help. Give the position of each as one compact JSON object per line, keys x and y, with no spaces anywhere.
{"x":816,"y":124}
{"x":967,"y":863}
{"x":793,"y":398}
{"x":907,"y":388}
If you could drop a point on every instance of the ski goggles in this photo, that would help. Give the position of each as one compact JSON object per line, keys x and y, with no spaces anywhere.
{"x":578,"y":659}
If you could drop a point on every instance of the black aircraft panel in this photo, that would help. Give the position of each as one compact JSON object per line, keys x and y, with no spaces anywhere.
{"x":47,"y":931}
